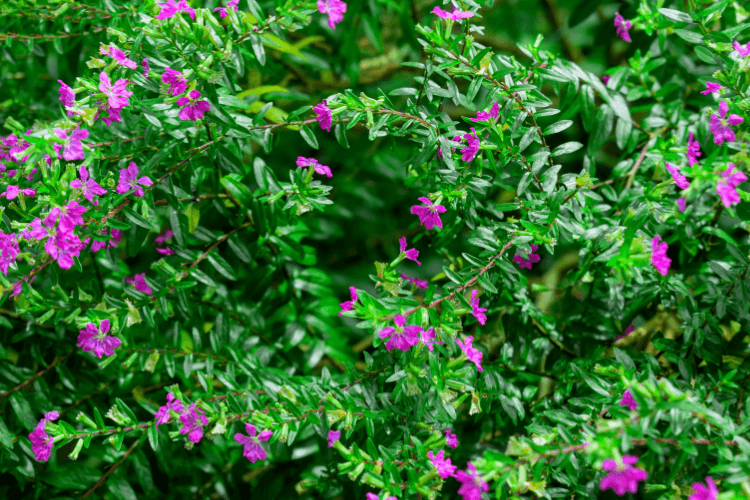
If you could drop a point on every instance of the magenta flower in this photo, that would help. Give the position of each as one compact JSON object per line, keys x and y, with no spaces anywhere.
{"x":451,"y":439}
{"x":429,"y":215}
{"x":627,"y":400}
{"x":162,"y":416}
{"x":526,"y":262}
{"x":727,"y":189}
{"x":177,"y":82}
{"x":456,"y":138}
{"x":30,"y":177}
{"x":682,"y":203}
{"x":64,"y":247}
{"x":12,"y":192}
{"x":472,"y":484}
{"x":113,"y":115}
{"x":193,"y":420}
{"x":411,"y":254}
{"x":146,"y":67}
{"x":73,"y":147}
{"x":231,"y":4}
{"x":659,"y":256}
{"x":253,"y":450}
{"x":335,"y":10}
{"x":96,"y":339}
{"x":164,"y":237}
{"x":416,"y":281}
{"x":477,"y":311}
{"x":88,"y":186}
{"x":400,"y":337}
{"x":622,"y":478}
{"x":742,"y":51}
{"x":119,"y":56}
{"x":454,"y":16}
{"x":483,"y":116}
{"x":445,"y":468}
{"x":170,"y":8}
{"x":373,"y":496}
{"x":192,"y":108}
{"x":333,"y":436}
{"x":623,"y":26}
{"x":324,"y":115}
{"x":117,"y":94}
{"x":474,"y":354}
{"x":719,"y":126}
{"x":693,"y":150}
{"x":708,"y":492}
{"x":67,"y":96}
{"x":139,"y":283}
{"x":165,"y":251}
{"x":9,"y":251}
{"x":18,"y":287}
{"x":41,"y":443}
{"x":129,"y":180}
{"x":116,"y":236}
{"x":472,"y":148}
{"x":679,"y":179}
{"x":712,"y":88}
{"x":428,"y":338}
{"x":312,"y":162}
{"x":605,"y":79}
{"x":630,"y":329}
{"x":349,"y":304}
{"x":71,"y":215}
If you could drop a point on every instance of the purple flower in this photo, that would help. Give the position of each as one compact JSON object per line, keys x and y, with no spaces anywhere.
{"x":177,"y":82}
{"x":12,"y":192}
{"x":349,"y":304}
{"x":472,"y":148}
{"x":708,"y":492}
{"x":119,"y":56}
{"x":8,"y":251}
{"x":73,"y":147}
{"x":88,"y":186}
{"x":445,"y":468}
{"x":712,"y":88}
{"x":373,"y":496}
{"x":162,"y":416}
{"x":428,"y":338}
{"x":623,"y":26}
{"x":96,"y":339}
{"x":451,"y":439}
{"x":622,"y":478}
{"x":682,"y":203}
{"x":659,"y":256}
{"x":192,"y":108}
{"x":116,"y":236}
{"x":253,"y":450}
{"x":113,"y":115}
{"x":605,"y":79}
{"x":693,"y":150}
{"x":719,"y":126}
{"x":18,"y":287}
{"x":742,"y":51}
{"x":41,"y":443}
{"x":630,"y":329}
{"x":454,"y":16}
{"x":231,"y":4}
{"x":146,"y":67}
{"x":117,"y":94}
{"x":416,"y":281}
{"x":727,"y":189}
{"x":323,"y":115}
{"x":411,"y":254}
{"x":333,"y":436}
{"x":400,"y":337}
{"x":472,"y":484}
{"x":64,"y":247}
{"x":312,"y":162}
{"x":164,"y":237}
{"x":71,"y":215}
{"x":526,"y":262}
{"x":129,"y":180}
{"x":477,"y":311}
{"x":193,"y":420}
{"x":67,"y":96}
{"x":165,"y":251}
{"x":170,"y":8}
{"x":483,"y":116}
{"x":139,"y":283}
{"x":335,"y":10}
{"x":429,"y":215}
{"x":627,"y":400}
{"x":474,"y":354}
{"x":679,"y":179}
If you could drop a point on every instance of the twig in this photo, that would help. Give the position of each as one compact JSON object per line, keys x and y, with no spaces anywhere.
{"x":56,"y":362}
{"x":111,"y":469}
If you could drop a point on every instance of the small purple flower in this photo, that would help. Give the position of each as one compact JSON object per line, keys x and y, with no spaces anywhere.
{"x":682,"y":203}
{"x":162,"y":416}
{"x":146,"y":67}
{"x":164,"y":237}
{"x":400,"y":337}
{"x":477,"y":311}
{"x":64,"y":247}
{"x":627,"y":400}
{"x":88,"y":186}
{"x":659,"y":256}
{"x":96,"y":339}
{"x":411,"y":253}
{"x":231,"y":4}
{"x":139,"y":283}
{"x":129,"y":180}
{"x":622,"y":478}
{"x":451,"y":439}
{"x":445,"y":468}
{"x":454,"y":16}
{"x":526,"y":262}
{"x":12,"y":192}
{"x":472,"y":148}
{"x":605,"y":79}
{"x":18,"y":287}
{"x":9,"y":251}
{"x":708,"y":492}
{"x":170,"y":8}
{"x":193,"y":420}
{"x":119,"y":56}
{"x":416,"y":281}
{"x":474,"y":354}
{"x":483,"y":116}
{"x":324,"y":115}
{"x":73,"y":148}
{"x":41,"y":443}
{"x":165,"y":251}
{"x":727,"y":189}
{"x":623,"y":26}
{"x":429,"y":215}
{"x":693,"y":150}
{"x":116,"y":236}
{"x":333,"y":437}
{"x":253,"y":450}
{"x":192,"y":108}
{"x":71,"y":215}
{"x":719,"y":126}
{"x":335,"y":10}
{"x":312,"y":162}
{"x":117,"y":94}
{"x":428,"y":338}
{"x":177,"y":82}
{"x":712,"y":88}
{"x":67,"y":96}
{"x":113,"y":115}
{"x":742,"y":51}
{"x":373,"y":496}
{"x":679,"y":179}
{"x":472,"y":484}
{"x":349,"y":304}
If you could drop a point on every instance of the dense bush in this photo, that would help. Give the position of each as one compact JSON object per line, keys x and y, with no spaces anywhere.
{"x":300,"y":249}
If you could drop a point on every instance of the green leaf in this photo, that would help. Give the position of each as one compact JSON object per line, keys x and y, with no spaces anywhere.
{"x":568,"y":147}
{"x":558,"y":127}
{"x":233,"y":184}
{"x":309,"y":136}
{"x":193,"y":214}
{"x":22,"y":410}
{"x":6,"y":439}
{"x":676,"y":15}
{"x":222,"y":266}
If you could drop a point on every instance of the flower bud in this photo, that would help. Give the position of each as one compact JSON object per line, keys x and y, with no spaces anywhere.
{"x":359,"y":469}
{"x":86,"y":420}
{"x":74,"y":454}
